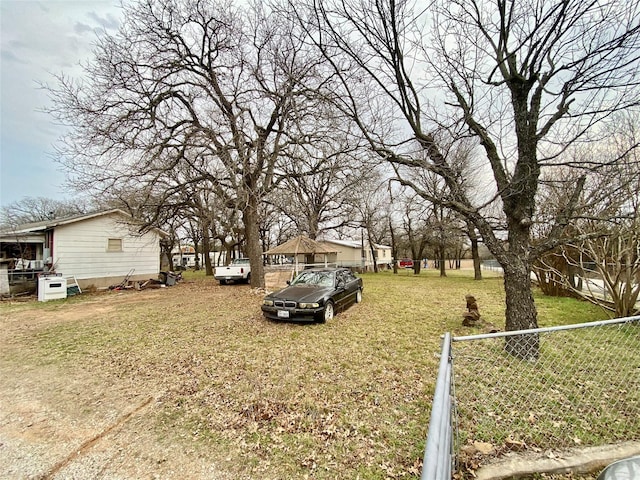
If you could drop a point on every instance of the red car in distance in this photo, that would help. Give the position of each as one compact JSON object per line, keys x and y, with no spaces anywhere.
{"x":406,"y":263}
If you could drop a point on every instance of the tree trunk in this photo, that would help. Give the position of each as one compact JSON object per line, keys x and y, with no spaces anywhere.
{"x":196,"y":259}
{"x":206,"y":245}
{"x":394,"y":248}
{"x":252,"y":236}
{"x":521,"y":313}
{"x":166,"y":259}
{"x":228,"y":254}
{"x":441,"y":262}
{"x":373,"y":252}
{"x":475,"y":254}
{"x":375,"y":260}
{"x":313,"y":226}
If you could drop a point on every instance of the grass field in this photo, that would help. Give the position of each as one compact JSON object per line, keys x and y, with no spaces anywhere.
{"x":347,"y":399}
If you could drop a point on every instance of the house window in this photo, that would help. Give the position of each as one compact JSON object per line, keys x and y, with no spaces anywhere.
{"x":114,"y":245}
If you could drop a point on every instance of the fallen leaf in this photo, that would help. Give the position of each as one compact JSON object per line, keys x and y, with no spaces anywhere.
{"x":484,"y":448}
{"x":515,"y":445}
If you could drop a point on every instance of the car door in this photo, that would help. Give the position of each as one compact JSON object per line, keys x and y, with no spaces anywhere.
{"x":351,"y":286}
{"x":341,"y":292}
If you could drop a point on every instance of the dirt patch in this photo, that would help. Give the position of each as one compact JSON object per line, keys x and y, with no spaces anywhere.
{"x":61,"y":420}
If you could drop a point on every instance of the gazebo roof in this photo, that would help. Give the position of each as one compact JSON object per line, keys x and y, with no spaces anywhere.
{"x":299,"y":245}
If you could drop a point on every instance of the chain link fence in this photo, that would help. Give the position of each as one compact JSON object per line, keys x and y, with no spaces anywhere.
{"x":573,"y":386}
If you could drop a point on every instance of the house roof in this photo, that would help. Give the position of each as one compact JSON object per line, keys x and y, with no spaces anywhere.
{"x":56,"y":222}
{"x":353,"y":243}
{"x":344,"y":243}
{"x":299,"y":244}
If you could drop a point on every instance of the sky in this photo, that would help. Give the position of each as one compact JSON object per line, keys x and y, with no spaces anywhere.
{"x":39,"y":39}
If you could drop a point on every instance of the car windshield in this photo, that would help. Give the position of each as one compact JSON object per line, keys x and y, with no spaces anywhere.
{"x":240,"y":261}
{"x":323,"y":279}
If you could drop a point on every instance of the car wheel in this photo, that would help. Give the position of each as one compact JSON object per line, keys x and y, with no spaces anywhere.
{"x":223,"y":282}
{"x":327,"y":313}
{"x":248,"y":280}
{"x":359,"y":296}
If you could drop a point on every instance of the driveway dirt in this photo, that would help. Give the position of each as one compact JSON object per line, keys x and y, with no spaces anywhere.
{"x":78,"y":424}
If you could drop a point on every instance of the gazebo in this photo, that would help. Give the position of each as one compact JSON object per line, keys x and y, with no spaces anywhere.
{"x":301,"y":245}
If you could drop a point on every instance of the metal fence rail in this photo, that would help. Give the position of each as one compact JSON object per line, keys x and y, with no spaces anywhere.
{"x":438,"y":453}
{"x":582,"y":389}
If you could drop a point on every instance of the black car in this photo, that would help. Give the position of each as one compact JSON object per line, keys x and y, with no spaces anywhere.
{"x":314,"y":295}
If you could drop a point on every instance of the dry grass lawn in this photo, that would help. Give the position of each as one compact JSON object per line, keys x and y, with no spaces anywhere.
{"x":259,"y":399}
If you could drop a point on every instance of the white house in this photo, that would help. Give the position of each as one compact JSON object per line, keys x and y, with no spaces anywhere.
{"x":350,"y":253}
{"x":98,"y":249}
{"x":185,"y":257}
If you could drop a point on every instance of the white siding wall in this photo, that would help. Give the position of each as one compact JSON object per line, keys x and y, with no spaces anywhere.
{"x":80,"y":249}
{"x":353,"y":255}
{"x":345,"y":256}
{"x":349,"y":255}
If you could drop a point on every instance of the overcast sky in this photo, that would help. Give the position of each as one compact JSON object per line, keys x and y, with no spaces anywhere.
{"x":39,"y":38}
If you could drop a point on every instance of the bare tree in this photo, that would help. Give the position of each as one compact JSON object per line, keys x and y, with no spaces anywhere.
{"x":276,"y":227}
{"x":526,"y":79}
{"x":37,"y":209}
{"x":315,"y":192}
{"x":416,"y":232}
{"x":440,"y":235}
{"x":221,"y":91}
{"x":603,"y":249}
{"x":611,"y":265}
{"x":370,"y":201}
{"x":443,"y":224}
{"x":475,"y":251}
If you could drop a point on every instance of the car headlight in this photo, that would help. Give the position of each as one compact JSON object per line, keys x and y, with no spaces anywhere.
{"x":308,"y":305}
{"x":268,"y":303}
